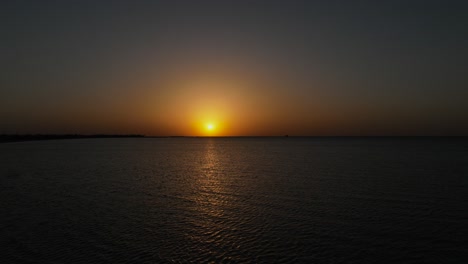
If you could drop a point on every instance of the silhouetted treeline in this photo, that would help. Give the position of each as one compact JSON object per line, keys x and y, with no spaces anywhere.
{"x":28,"y":137}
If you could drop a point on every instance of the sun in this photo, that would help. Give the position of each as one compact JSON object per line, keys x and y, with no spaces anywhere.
{"x":210,"y":127}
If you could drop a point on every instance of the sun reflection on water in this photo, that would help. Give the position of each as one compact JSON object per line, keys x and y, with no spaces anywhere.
{"x":211,"y":197}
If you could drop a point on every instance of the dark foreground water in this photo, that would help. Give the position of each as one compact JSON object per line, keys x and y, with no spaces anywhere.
{"x":261,"y":200}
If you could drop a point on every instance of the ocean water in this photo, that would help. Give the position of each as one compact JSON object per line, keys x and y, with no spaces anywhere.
{"x":234,"y":200}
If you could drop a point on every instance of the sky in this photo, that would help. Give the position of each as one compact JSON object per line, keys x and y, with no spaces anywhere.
{"x":247,"y":68}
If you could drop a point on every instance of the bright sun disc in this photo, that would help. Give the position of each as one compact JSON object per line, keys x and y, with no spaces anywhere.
{"x":210,"y":126}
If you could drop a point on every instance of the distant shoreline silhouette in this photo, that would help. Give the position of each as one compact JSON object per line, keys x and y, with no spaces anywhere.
{"x":5,"y":138}
{"x":31,"y":137}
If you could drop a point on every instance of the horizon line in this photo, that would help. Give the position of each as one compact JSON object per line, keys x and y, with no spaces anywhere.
{"x":4,"y":138}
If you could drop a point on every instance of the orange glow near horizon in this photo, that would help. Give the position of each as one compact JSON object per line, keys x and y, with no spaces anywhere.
{"x":215,"y":103}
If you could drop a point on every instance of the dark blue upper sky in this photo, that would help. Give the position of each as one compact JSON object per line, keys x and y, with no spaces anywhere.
{"x":317,"y":67}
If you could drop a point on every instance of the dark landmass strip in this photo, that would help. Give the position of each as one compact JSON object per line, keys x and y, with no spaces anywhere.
{"x":30,"y":137}
{"x":4,"y":138}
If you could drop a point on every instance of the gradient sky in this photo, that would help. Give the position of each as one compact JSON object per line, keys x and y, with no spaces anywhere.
{"x":248,"y":67}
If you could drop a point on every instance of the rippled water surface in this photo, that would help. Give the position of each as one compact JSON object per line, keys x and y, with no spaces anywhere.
{"x":261,"y":200}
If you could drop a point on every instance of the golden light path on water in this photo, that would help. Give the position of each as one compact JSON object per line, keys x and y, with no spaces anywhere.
{"x":212,"y":200}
